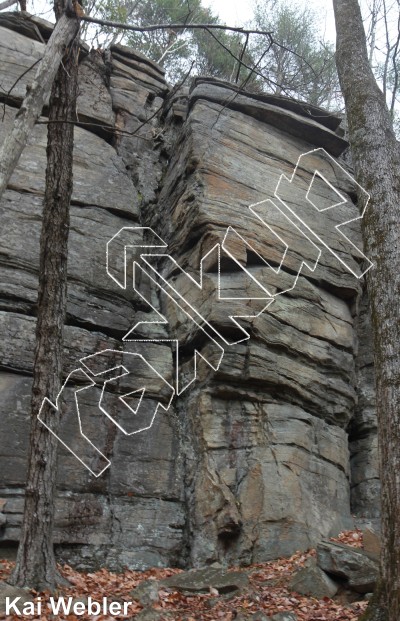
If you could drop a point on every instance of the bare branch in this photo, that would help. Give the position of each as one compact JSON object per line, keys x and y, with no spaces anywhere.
{"x":110,"y":24}
{"x":395,"y":68}
{"x":123,"y":132}
{"x":372,"y":29}
{"x":253,"y":70}
{"x":16,"y":82}
{"x":7,"y":3}
{"x":241,"y":57}
{"x":172,"y":49}
{"x":388,"y":48}
{"x":240,"y":88}
{"x":64,"y":32}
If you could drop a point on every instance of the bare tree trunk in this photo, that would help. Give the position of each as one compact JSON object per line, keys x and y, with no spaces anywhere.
{"x":36,"y":565}
{"x":372,"y":32}
{"x":31,"y":108}
{"x":7,"y":3}
{"x":376,"y":159}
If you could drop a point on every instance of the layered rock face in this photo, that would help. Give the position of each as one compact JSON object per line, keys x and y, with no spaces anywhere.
{"x":251,"y":459}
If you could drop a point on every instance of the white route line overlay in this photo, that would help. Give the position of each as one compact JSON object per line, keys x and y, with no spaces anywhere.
{"x":122,"y":398}
{"x":199,"y":285}
{"x":366,"y":195}
{"x":163,"y":320}
{"x":125,"y":372}
{"x":56,"y":406}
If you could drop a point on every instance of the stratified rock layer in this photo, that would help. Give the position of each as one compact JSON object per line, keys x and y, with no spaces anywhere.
{"x":251,"y":461}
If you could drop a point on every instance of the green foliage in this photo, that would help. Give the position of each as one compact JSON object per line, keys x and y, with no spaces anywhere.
{"x":176,"y":50}
{"x":170,"y":48}
{"x":298,"y":64}
{"x":211,"y":52}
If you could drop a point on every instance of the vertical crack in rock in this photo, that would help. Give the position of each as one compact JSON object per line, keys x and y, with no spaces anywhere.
{"x":252,"y":461}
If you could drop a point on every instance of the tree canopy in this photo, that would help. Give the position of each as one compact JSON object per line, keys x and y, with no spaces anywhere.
{"x":301,"y":64}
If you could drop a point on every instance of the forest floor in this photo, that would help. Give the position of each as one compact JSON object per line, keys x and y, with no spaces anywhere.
{"x":267,"y":593}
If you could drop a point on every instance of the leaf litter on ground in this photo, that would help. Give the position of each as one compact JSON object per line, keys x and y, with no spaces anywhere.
{"x":268,"y":592}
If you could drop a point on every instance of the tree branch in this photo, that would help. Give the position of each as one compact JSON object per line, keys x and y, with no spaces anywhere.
{"x":395,"y":69}
{"x":241,"y":57}
{"x":110,"y":24}
{"x":230,"y":100}
{"x":7,"y":3}
{"x":253,"y":69}
{"x":10,"y":151}
{"x":15,"y":84}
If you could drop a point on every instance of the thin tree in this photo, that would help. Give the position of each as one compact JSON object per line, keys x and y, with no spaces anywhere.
{"x":32,"y":105}
{"x":7,"y":3}
{"x":376,"y":159}
{"x":299,"y":65}
{"x":36,"y":564}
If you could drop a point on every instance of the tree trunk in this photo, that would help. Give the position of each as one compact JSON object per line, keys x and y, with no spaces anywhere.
{"x":36,"y":565}
{"x":31,"y":107}
{"x":7,"y":3}
{"x":376,"y":160}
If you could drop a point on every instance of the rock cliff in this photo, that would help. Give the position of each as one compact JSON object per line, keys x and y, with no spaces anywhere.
{"x":271,"y":444}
